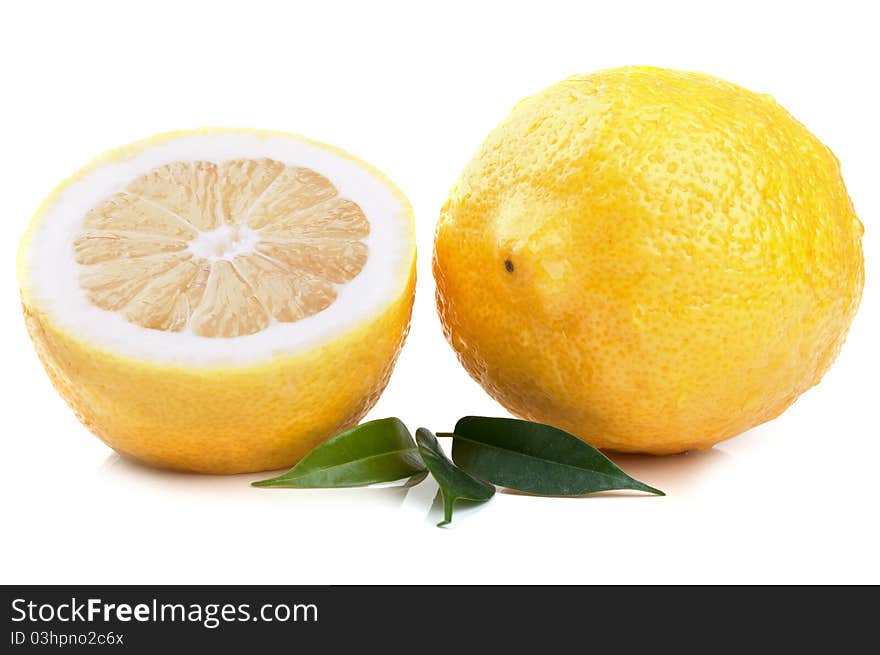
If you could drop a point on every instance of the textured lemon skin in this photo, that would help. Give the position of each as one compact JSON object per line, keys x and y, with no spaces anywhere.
{"x":650,"y":259}
{"x":221,"y":420}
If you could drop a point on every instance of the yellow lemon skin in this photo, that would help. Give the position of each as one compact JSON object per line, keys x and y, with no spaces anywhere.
{"x":652,"y":260}
{"x":221,"y":420}
{"x":235,"y":420}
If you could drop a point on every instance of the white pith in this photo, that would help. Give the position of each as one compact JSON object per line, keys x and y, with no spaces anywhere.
{"x":50,"y":274}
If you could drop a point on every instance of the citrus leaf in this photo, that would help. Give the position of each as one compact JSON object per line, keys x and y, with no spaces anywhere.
{"x":454,"y":483}
{"x":535,"y":458}
{"x":376,"y":451}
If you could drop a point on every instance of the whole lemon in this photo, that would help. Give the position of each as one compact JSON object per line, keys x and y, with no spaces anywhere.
{"x":653,"y":260}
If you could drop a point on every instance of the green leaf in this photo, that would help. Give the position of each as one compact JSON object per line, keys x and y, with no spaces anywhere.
{"x":376,"y":451}
{"x":535,"y":458}
{"x":454,"y":483}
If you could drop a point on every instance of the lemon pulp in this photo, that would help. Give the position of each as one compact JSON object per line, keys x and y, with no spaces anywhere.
{"x":221,"y":249}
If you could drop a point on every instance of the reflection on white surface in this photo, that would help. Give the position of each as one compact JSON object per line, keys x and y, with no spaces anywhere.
{"x":463,"y":511}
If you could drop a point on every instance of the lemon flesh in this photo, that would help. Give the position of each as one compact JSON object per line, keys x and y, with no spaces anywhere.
{"x":221,"y":248}
{"x":650,"y":259}
{"x":220,"y":300}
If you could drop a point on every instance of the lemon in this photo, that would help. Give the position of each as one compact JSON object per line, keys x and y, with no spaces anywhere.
{"x":653,"y":260}
{"x":220,"y":300}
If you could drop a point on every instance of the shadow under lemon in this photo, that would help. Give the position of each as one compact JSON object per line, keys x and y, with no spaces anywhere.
{"x":167,"y":481}
{"x":674,"y":474}
{"x":683,"y":473}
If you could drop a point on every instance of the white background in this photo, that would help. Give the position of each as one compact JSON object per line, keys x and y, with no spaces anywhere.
{"x":414,"y":89}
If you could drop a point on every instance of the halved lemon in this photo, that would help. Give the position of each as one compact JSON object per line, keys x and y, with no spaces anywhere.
{"x":220,"y":300}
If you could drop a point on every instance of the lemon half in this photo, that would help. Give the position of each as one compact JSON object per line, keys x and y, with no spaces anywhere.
{"x":220,"y":300}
